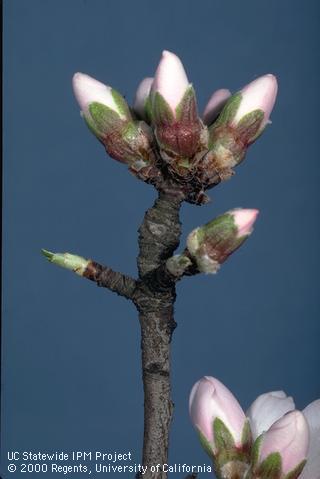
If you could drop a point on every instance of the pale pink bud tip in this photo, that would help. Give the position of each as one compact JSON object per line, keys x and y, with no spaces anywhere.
{"x":258,"y":95}
{"x":290,"y":437}
{"x":210,"y":399}
{"x":267,"y":409}
{"x":142,"y":94}
{"x":170,"y":79}
{"x":312,"y":468}
{"x":88,"y":90}
{"x":214,"y":106}
{"x":244,"y":220}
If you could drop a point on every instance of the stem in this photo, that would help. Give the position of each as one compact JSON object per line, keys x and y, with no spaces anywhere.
{"x":154,"y":297}
{"x":105,"y":277}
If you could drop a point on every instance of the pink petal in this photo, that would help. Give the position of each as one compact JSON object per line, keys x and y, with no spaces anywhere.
{"x":290,"y":437}
{"x":312,"y":468}
{"x":214,"y":106}
{"x":88,"y":90}
{"x":142,"y":94}
{"x":267,"y":409}
{"x":259,"y":94}
{"x":210,"y":399}
{"x":244,"y":220}
{"x":170,"y":79}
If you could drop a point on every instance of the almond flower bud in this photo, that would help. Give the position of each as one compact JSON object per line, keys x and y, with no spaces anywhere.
{"x":283,"y":448}
{"x":214,"y":106}
{"x":312,"y":467}
{"x":211,"y":244}
{"x":267,"y":409}
{"x":141,"y":100}
{"x":259,"y":95}
{"x":241,"y":121}
{"x":174,"y":110}
{"x":223,"y":429}
{"x":209,"y":400}
{"x":109,"y":118}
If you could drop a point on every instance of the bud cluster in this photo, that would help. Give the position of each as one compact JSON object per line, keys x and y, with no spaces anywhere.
{"x":163,"y":134}
{"x":271,"y":441}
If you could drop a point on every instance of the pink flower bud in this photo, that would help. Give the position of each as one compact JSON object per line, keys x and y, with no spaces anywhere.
{"x":142,"y":95}
{"x":170,"y":79}
{"x":267,"y":409}
{"x":312,"y":468}
{"x":210,"y":399}
{"x":214,"y":106}
{"x":289,"y":436}
{"x":260,"y":94}
{"x":244,"y":220}
{"x":87,"y":90}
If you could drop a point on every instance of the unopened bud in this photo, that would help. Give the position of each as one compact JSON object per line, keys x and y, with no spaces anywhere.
{"x":312,"y":415}
{"x":75,"y":263}
{"x":108,"y":117}
{"x":267,"y":409}
{"x":214,"y":106}
{"x":141,"y":103}
{"x":239,"y":124}
{"x":283,"y":449}
{"x":222,"y":426}
{"x":178,"y":264}
{"x":211,"y":244}
{"x":174,"y":111}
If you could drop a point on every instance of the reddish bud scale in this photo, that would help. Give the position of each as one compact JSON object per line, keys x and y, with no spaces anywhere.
{"x":181,"y":138}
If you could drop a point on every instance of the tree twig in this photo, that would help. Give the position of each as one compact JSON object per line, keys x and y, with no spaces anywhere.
{"x":154,"y":297}
{"x":105,"y":277}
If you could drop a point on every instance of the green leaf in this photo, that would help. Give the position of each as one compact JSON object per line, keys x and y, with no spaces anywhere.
{"x":207,"y":446}
{"x":104,"y":119}
{"x":161,"y":111}
{"x":296,"y":471}
{"x":222,"y":436}
{"x":229,"y":111}
{"x":271,"y":467}
{"x":249,"y":126}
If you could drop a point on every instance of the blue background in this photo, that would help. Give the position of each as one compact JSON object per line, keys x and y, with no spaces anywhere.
{"x":71,"y":358}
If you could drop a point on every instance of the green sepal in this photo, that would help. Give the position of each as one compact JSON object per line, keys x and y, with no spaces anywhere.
{"x":186,"y":111}
{"x":226,"y":456}
{"x":246,"y":436}
{"x":105,"y":120}
{"x":208,"y":448}
{"x":249,"y":126}
{"x":148,"y":109}
{"x":255,"y":451}
{"x":229,"y":111}
{"x":296,"y":471}
{"x":161,"y":111}
{"x":91,"y":125}
{"x":222,"y":436}
{"x":123,"y":108}
{"x":271,"y":467}
{"x":221,"y":228}
{"x":130,"y":132}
